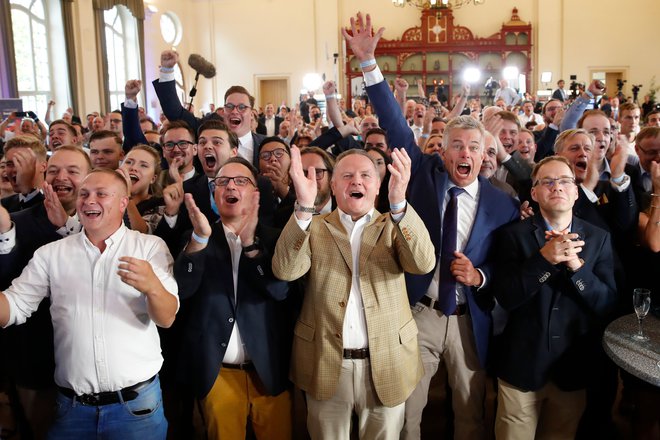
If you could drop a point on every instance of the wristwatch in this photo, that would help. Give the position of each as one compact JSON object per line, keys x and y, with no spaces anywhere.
{"x":298,"y":207}
{"x":255,"y":246}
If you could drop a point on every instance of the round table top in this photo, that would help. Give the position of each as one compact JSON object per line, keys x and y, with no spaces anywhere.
{"x":639,"y":358}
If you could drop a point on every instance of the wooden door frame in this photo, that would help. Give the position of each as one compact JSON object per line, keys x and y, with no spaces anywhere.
{"x":257,"y":87}
{"x":624,"y":70}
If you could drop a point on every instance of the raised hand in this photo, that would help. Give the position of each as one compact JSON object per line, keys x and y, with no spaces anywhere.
{"x":139,"y":274}
{"x":173,"y":194}
{"x":5,"y":220}
{"x":132,"y":88}
{"x":25,"y":162}
{"x":399,"y":176}
{"x":362,"y":41}
{"x":596,"y":87}
{"x":329,"y":88}
{"x":54,"y":209}
{"x":278,"y":177}
{"x":655,"y":177}
{"x":168,"y":58}
{"x":401,"y":86}
{"x":123,"y":171}
{"x":246,"y":231}
{"x":305,"y":186}
{"x":620,"y":156}
{"x":559,"y":116}
{"x":526,"y":211}
{"x":200,"y":223}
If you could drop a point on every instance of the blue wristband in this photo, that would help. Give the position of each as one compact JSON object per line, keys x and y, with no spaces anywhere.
{"x":367,"y":63}
{"x":199,"y":239}
{"x":398,"y":206}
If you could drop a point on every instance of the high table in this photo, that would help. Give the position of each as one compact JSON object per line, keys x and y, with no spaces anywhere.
{"x":639,"y":358}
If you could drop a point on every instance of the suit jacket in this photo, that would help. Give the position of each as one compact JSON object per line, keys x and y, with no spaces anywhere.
{"x":12,"y":203}
{"x":556,"y":317}
{"x":131,"y":128}
{"x":261,"y":128}
{"x":323,"y":254}
{"x":426,"y":191}
{"x":206,"y":278}
{"x":32,"y":363}
{"x":557,"y":94}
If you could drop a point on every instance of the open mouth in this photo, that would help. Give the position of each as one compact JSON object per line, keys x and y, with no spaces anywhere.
{"x":92,"y":213}
{"x":234,"y":122}
{"x":210,"y":161}
{"x":134,"y":178}
{"x":464,"y":169}
{"x":581,"y":165}
{"x":231,"y":199}
{"x":62,"y":190}
{"x":356,"y":195}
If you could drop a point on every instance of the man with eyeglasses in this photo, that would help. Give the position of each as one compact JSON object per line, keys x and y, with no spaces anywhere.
{"x":237,"y":343}
{"x":237,"y":110}
{"x":554,"y":275}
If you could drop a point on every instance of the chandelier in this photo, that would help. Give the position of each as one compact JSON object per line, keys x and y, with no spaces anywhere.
{"x":436,"y":4}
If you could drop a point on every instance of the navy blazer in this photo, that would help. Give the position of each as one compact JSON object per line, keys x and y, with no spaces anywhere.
{"x":556,"y":317}
{"x":259,"y":310}
{"x":426,"y":192}
{"x":12,"y":203}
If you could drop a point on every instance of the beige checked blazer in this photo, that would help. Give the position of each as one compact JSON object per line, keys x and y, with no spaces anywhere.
{"x":323,"y":254}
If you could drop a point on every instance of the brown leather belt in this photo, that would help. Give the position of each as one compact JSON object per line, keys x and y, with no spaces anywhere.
{"x":107,"y":397}
{"x":246,"y":366}
{"x":461,"y":309}
{"x":356,"y":353}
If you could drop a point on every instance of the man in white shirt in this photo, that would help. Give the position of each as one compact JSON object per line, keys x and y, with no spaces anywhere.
{"x":270,"y":121}
{"x":107,"y":350}
{"x":355,"y":346}
{"x":508,"y":94}
{"x":529,"y":115}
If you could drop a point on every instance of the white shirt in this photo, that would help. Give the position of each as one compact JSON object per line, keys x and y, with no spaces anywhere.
{"x":270,"y":125}
{"x":417,"y":131}
{"x":468,"y":202}
{"x":104,"y":338}
{"x":246,"y":147}
{"x":235,"y":353}
{"x":524,"y":119}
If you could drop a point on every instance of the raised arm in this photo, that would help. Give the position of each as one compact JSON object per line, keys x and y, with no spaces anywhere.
{"x":130,"y":116}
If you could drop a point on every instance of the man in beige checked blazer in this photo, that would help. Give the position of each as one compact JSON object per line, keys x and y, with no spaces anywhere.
{"x":355,"y":344}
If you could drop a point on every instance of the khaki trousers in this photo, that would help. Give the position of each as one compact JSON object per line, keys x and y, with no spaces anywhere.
{"x":546,"y":414}
{"x":331,"y":419}
{"x":450,"y":340}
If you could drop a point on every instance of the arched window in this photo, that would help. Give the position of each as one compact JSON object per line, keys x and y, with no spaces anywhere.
{"x":122,"y":52}
{"x":38,"y":39}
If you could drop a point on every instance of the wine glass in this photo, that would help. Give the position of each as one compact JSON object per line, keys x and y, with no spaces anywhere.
{"x":642,"y":304}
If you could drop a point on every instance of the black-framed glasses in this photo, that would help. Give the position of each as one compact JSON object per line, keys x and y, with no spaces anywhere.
{"x":318,"y":173}
{"x":550,"y":183}
{"x":649,"y":152}
{"x":238,"y":181}
{"x":181,"y":145}
{"x":277,"y":152}
{"x":240,"y":107}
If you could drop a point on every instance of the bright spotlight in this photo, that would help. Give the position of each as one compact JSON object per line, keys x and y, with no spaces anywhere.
{"x":312,"y":81}
{"x":510,"y":72}
{"x":546,"y":77}
{"x":471,"y":75}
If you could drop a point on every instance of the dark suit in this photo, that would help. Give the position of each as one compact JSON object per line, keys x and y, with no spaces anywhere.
{"x":131,"y":128}
{"x":557,"y":94}
{"x":206,"y":278}
{"x":429,"y":177}
{"x":12,"y":203}
{"x":261,"y":128}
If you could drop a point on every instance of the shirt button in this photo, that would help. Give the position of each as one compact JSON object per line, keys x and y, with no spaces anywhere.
{"x":231,"y":320}
{"x":223,"y":345}
{"x":338,"y":335}
{"x":342,"y":304}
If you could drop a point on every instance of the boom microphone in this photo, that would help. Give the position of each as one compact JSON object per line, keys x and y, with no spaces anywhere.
{"x":201,"y":66}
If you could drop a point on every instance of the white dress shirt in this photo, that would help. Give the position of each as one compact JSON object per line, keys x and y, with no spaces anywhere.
{"x":270,"y":125}
{"x":104,"y":338}
{"x":235,"y":353}
{"x":246,"y":147}
{"x":468,"y":202}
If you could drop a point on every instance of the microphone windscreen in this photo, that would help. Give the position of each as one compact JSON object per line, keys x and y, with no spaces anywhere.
{"x":201,"y":66}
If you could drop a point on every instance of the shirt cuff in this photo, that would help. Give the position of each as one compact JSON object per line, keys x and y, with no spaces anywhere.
{"x":72,"y":226}
{"x":165,"y":77}
{"x":8,"y":240}
{"x":373,"y":77}
{"x":483,"y":277}
{"x":171,"y":220}
{"x":621,"y":184}
{"x":593,"y":198}
{"x":303,"y":224}
{"x":130,"y":103}
{"x":396,"y":218}
{"x":507,"y":158}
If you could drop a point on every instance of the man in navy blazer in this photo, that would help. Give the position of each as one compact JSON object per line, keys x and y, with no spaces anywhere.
{"x":555,"y":277}
{"x":237,"y":109}
{"x":461,"y":338}
{"x":237,"y":341}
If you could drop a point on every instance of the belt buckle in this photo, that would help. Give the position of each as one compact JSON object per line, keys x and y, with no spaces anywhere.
{"x":89,"y":399}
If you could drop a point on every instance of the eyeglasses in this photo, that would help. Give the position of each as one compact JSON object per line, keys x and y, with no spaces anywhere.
{"x":277,"y":152}
{"x":238,"y":181}
{"x":649,"y":153}
{"x":240,"y":107}
{"x":318,"y":173}
{"x":116,"y":121}
{"x":182,"y":145}
{"x":550,"y":183}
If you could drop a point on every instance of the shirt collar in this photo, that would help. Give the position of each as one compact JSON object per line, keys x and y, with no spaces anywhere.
{"x":229,"y":234}
{"x":112,"y":240}
{"x":345,"y":218}
{"x":472,"y":189}
{"x":246,"y":139}
{"x":189,"y":175}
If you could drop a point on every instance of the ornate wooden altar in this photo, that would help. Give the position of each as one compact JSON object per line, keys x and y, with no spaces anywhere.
{"x":439,"y":50}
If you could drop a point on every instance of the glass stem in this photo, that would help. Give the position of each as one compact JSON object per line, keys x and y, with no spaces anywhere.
{"x":640,"y":333}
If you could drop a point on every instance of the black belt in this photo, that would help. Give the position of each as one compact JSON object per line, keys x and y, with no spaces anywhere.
{"x":356,"y":353}
{"x":107,"y":397}
{"x":246,"y":366}
{"x":461,"y":309}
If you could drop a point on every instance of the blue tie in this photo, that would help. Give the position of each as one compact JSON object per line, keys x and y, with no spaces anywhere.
{"x":447,"y":288}
{"x":214,"y":207}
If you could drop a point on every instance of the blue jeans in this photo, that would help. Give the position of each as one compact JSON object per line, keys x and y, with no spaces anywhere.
{"x":140,"y":419}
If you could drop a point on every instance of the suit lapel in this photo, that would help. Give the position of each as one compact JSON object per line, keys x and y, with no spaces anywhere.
{"x":224,"y":270}
{"x":370,"y":237}
{"x":481,"y":219}
{"x":539,"y":230}
{"x":340,"y":237}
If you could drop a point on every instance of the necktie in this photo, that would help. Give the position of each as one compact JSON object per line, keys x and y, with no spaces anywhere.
{"x":214,"y":207}
{"x":447,"y":288}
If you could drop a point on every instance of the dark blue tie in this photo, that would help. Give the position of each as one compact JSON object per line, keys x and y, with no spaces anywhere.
{"x":447,"y":288}
{"x":214,"y":207}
